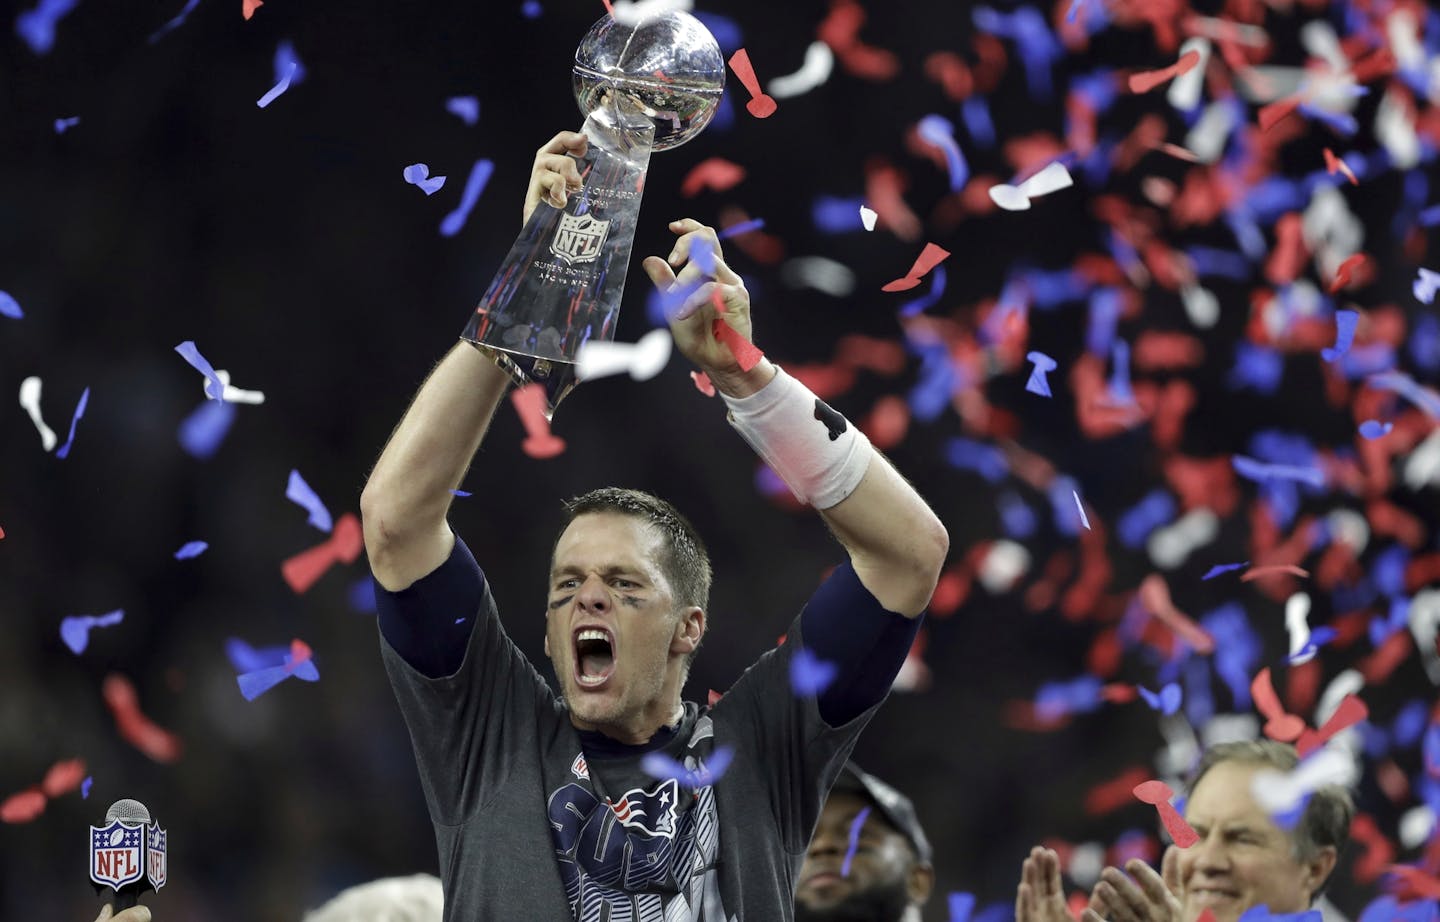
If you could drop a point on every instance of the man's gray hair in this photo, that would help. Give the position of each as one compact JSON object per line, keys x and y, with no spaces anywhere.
{"x":417,"y":898}
{"x":1327,"y":816}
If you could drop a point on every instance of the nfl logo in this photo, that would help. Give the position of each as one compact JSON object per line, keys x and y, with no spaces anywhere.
{"x":155,"y":839}
{"x":117,"y":854}
{"x":578,"y":238}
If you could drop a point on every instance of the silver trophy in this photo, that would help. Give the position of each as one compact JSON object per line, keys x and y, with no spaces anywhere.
{"x":646,"y":86}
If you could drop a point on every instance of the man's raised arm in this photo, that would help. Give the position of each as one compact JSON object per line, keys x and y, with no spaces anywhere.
{"x":408,"y":493}
{"x":896,"y":544}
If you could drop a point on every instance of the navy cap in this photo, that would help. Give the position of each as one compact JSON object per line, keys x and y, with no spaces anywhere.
{"x":897,"y":809}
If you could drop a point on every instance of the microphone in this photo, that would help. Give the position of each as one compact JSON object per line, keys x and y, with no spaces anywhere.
{"x":128,"y":853}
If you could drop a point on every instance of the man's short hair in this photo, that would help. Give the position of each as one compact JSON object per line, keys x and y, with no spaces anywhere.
{"x":1327,"y":816}
{"x":418,"y":898}
{"x":686,"y":562}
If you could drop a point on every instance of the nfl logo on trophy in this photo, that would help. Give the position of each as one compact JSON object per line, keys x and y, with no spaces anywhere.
{"x":578,"y":238}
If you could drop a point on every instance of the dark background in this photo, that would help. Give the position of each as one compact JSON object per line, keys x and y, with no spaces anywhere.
{"x":284,"y":242}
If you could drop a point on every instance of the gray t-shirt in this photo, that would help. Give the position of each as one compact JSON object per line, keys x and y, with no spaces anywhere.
{"x":535,"y":820}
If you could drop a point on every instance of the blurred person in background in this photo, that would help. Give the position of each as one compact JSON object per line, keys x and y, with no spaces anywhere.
{"x":551,"y":806}
{"x":1244,"y":858}
{"x":416,"y":898}
{"x":886,"y":877}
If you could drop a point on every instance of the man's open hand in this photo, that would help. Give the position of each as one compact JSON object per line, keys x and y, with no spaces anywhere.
{"x":691,"y":310}
{"x":1040,"y":897}
{"x":133,"y":914}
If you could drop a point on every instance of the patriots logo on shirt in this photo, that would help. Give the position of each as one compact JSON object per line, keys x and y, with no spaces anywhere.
{"x":653,"y":812}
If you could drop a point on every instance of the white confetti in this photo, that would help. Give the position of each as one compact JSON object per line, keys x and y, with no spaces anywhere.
{"x":1184,"y":92}
{"x":30,"y":403}
{"x":1297,"y":614}
{"x":867,"y":218}
{"x":1281,"y":792}
{"x":819,"y":61}
{"x":1052,"y":178}
{"x":234,"y":394}
{"x":818,"y":272}
{"x":643,"y":360}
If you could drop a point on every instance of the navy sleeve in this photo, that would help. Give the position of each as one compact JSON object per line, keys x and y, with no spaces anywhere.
{"x":429,"y":622}
{"x":844,"y":624}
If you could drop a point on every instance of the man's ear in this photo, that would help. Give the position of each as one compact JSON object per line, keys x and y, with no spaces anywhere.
{"x":919,"y":882}
{"x":689,"y":629}
{"x":1317,"y":869}
{"x":547,"y":645}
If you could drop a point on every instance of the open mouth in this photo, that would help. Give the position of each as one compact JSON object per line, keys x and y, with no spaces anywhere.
{"x":594,"y":657}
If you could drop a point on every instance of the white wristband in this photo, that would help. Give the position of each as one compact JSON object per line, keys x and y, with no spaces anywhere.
{"x":819,"y":454}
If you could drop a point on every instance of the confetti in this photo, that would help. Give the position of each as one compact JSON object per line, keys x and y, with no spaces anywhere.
{"x":299,"y":493}
{"x":715,"y":174}
{"x":1167,"y":700}
{"x":75,"y":629}
{"x":1260,"y":472}
{"x":63,"y":125}
{"x":135,"y":728}
{"x":747,"y":355}
{"x":480,"y":173}
{"x":1279,"y":725}
{"x":24,"y":807}
{"x":1084,"y":519}
{"x":531,"y":9}
{"x":62,"y":778}
{"x":1158,"y":794}
{"x":85,"y":788}
{"x":814,"y":71}
{"x":465,"y":108}
{"x":248,"y":7}
{"x":1280,"y":792}
{"x":643,"y":360}
{"x":461,"y":493}
{"x":663,"y":768}
{"x":1334,"y":164}
{"x":288,"y":70}
{"x":344,"y":545}
{"x":867,"y":218}
{"x":759,"y":105}
{"x":30,"y":402}
{"x":1374,"y":428}
{"x":9,"y":307}
{"x":929,"y":258}
{"x":1019,"y":198}
{"x":296,"y":661}
{"x":702,"y":383}
{"x":64,"y":450}
{"x":938,"y":131}
{"x":1289,"y":569}
{"x":1154,"y":595}
{"x":37,"y":26}
{"x":1350,"y":712}
{"x":856,"y":825}
{"x":1345,"y":322}
{"x":202,"y":432}
{"x":174,"y":23}
{"x":191,"y":549}
{"x":214,"y":386}
{"x":810,"y":675}
{"x":1038,"y":383}
{"x":1148,"y":80}
{"x":418,"y":174}
{"x":529,"y":403}
{"x":960,"y":906}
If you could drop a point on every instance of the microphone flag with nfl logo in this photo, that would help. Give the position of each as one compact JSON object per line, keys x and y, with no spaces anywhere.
{"x":124,"y":853}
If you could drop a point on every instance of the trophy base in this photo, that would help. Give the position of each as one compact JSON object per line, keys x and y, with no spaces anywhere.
{"x":556,"y":378}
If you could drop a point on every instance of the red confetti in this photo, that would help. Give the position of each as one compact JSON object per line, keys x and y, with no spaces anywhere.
{"x":715,"y":174}
{"x":882,"y":356}
{"x":1350,"y":270}
{"x":702,"y":383}
{"x":1146,"y":81}
{"x":1278,"y":725}
{"x":540,"y":442}
{"x":345,"y":543}
{"x":135,"y":728}
{"x":747,"y":356}
{"x":248,"y":7}
{"x":888,"y":422}
{"x":1411,"y":883}
{"x":1350,"y":712}
{"x":2,"y":532}
{"x":1334,"y":164}
{"x":1290,"y":253}
{"x":841,"y":29}
{"x":1155,"y":596}
{"x":1376,"y":667}
{"x":300,"y":653}
{"x":23,"y":807}
{"x":63,"y":777}
{"x":1256,"y":572}
{"x":1158,"y":793}
{"x":1276,"y":112}
{"x":1379,"y":851}
{"x":714,"y":697}
{"x":760,"y":105}
{"x":929,"y":258}
{"x":1115,"y":793}
{"x":1181,"y":153}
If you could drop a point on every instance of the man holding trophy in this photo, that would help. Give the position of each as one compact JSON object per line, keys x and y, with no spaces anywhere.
{"x":617,"y":799}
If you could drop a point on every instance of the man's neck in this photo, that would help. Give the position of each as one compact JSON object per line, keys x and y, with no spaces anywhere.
{"x":632,"y":734}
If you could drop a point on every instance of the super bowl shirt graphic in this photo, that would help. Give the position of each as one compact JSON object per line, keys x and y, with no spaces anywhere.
{"x":648,"y":853}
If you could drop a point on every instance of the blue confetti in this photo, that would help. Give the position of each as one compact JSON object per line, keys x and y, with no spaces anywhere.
{"x":1406,"y":386}
{"x":1344,"y":334}
{"x":288,"y":70}
{"x":1016,"y":516}
{"x":1038,"y":383}
{"x":855,"y":826}
{"x":9,"y":307}
{"x":975,"y":113}
{"x":254,"y":684}
{"x":64,"y":450}
{"x":1409,"y":724}
{"x":960,"y":905}
{"x":1261,"y":472}
{"x":531,"y":9}
{"x":1388,"y":909}
{"x":299,"y":492}
{"x":937,"y":381}
{"x":191,"y":549}
{"x":362,"y":596}
{"x":418,"y":174}
{"x":37,"y":26}
{"x":466,"y":108}
{"x":663,"y":768}
{"x":202,"y":432}
{"x":1430,"y":747}
{"x":1237,"y":649}
{"x":75,"y":629}
{"x":940,"y":132}
{"x":1427,"y":282}
{"x":1105,"y":307}
{"x":461,"y":493}
{"x":810,"y":675}
{"x":744,"y":227}
{"x":1430,"y":216}
{"x":474,"y":185}
{"x":1374,"y":428}
{"x":1425,"y":344}
{"x":1220,"y":568}
{"x":214,"y":387}
{"x":968,"y":455}
{"x":1120,"y":375}
{"x":1058,"y":699}
{"x":1318,"y":638}
{"x":1223,"y":263}
{"x":1166,"y":701}
{"x":63,"y":125}
{"x":1136,"y":523}
{"x":1263,"y":914}
{"x":175,"y":23}
{"x":834,"y":215}
{"x":920,"y":304}
{"x":1381,"y":627}
{"x":1062,"y":492}
{"x":85,"y":787}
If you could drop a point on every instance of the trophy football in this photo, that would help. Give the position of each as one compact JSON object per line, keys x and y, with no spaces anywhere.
{"x":644,"y":86}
